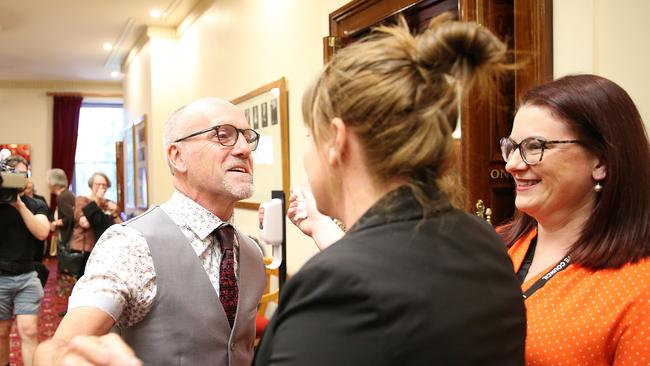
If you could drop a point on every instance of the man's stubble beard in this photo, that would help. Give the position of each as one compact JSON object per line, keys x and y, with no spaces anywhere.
{"x":240,"y":191}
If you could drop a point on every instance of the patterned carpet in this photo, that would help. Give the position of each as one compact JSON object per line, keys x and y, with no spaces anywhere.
{"x":55,"y":300}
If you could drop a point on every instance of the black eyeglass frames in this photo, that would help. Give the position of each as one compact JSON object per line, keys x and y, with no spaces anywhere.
{"x":531,"y":149}
{"x":228,"y":135}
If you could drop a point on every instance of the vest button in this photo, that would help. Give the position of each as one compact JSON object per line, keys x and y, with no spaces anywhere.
{"x":232,"y":346}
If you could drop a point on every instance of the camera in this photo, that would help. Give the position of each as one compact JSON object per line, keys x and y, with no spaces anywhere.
{"x":11,"y":182}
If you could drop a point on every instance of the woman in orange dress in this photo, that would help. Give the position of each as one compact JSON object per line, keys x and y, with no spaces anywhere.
{"x":580,"y":241}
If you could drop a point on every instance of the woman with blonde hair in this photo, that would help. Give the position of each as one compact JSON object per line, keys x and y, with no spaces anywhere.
{"x":413,"y":281}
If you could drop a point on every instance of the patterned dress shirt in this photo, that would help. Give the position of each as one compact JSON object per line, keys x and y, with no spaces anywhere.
{"x":120,"y":278}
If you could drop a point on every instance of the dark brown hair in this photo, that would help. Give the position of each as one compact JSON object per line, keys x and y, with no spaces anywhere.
{"x":609,"y":125}
{"x":399,"y":93}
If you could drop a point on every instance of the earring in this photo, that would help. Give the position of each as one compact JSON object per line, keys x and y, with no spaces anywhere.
{"x":598,"y":187}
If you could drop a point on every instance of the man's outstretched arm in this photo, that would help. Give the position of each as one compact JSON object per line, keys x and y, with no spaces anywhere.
{"x":83,"y":338}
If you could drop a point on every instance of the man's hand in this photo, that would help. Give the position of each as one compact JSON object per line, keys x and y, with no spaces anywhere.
{"x":106,"y":350}
{"x":83,"y":338}
{"x":18,"y":204}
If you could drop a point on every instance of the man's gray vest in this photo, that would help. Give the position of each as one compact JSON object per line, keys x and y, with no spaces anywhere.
{"x":187,"y":324}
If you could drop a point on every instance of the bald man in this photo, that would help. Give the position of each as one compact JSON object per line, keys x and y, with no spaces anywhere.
{"x":180,"y":284}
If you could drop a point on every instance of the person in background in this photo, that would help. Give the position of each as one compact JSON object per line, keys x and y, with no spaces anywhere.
{"x":63,"y":223}
{"x":197,"y":304}
{"x":92,"y":216}
{"x":580,"y":239}
{"x":39,"y":248}
{"x":21,"y":224}
{"x":413,"y":281}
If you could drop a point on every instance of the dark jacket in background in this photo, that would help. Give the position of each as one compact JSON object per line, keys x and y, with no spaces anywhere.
{"x":39,"y":245}
{"x":65,"y":212}
{"x":99,"y":220}
{"x":398,"y":289}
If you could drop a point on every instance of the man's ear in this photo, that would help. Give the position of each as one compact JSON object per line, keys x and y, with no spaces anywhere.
{"x":599,"y":171}
{"x":338,"y":144}
{"x":175,"y":159}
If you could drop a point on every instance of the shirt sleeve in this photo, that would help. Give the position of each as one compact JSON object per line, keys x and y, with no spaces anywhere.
{"x":119,"y":278}
{"x":40,"y":208}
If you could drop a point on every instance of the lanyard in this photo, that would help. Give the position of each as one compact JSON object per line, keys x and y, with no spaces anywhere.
{"x":561,"y":265}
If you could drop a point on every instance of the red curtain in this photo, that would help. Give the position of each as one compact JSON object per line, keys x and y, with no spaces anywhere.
{"x":64,"y":137}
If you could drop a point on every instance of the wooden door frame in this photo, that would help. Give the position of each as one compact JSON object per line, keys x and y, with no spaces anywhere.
{"x":533,"y":55}
{"x":533,"y":52}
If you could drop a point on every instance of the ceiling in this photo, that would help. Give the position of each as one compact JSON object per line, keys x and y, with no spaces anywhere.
{"x":61,"y":40}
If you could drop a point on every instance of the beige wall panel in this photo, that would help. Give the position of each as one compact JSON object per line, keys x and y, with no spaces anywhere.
{"x":608,"y":38}
{"x":26,"y":117}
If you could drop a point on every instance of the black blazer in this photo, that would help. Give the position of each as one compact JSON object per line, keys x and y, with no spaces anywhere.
{"x":97,"y":219}
{"x":65,"y":208}
{"x":398,"y":289}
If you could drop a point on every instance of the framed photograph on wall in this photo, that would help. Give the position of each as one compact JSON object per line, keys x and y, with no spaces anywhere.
{"x":8,"y":150}
{"x":129,"y":170}
{"x":136,"y":193}
{"x":140,"y":160}
{"x":271,"y":159}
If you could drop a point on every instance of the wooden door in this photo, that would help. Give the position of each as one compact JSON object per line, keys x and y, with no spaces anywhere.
{"x":527,"y":28}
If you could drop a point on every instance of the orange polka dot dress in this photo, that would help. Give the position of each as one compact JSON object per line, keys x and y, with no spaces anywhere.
{"x":585,"y":317}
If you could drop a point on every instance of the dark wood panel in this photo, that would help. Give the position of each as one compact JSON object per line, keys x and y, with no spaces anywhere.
{"x":484,"y":123}
{"x":526,"y":26}
{"x":357,"y":17}
{"x":533,"y":43}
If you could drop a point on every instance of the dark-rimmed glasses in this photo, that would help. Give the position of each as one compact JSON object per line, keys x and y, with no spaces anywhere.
{"x":228,"y":135}
{"x":531,"y":149}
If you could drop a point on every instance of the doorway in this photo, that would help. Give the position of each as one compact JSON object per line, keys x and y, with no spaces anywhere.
{"x":526,"y":26}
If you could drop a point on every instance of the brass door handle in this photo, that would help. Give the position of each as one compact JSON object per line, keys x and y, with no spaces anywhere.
{"x":483,"y":212}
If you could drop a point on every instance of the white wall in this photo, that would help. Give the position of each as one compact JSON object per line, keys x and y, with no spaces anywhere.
{"x":608,"y":38}
{"x":26,"y":118}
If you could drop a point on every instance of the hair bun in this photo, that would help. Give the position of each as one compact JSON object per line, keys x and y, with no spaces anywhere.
{"x":460,"y":49}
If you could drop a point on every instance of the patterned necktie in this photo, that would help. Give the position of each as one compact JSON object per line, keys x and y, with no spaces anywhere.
{"x":228,"y":291}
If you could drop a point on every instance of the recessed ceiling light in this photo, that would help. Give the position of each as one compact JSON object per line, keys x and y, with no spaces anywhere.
{"x":155,"y":13}
{"x":107,"y":46}
{"x":115,"y":74}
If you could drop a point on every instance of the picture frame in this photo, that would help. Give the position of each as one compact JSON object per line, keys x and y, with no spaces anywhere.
{"x":267,"y":108}
{"x":140,"y":160}
{"x":16,"y":149}
{"x":136,"y":192}
{"x":129,"y":170}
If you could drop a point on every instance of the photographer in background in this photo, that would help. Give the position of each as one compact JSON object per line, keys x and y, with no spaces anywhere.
{"x":22,"y":223}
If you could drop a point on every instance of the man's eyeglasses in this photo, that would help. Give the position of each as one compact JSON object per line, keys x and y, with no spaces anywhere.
{"x":228,"y":135}
{"x":531,"y":149}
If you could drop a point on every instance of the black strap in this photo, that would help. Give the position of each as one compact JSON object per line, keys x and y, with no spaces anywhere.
{"x":559,"y":267}
{"x":528,"y":260}
{"x":525,"y":267}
